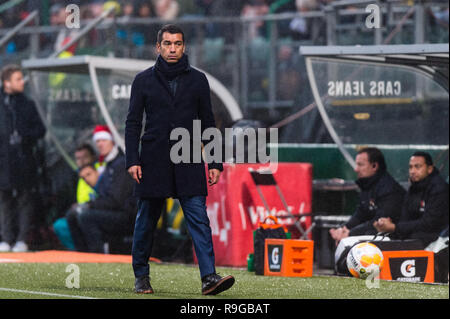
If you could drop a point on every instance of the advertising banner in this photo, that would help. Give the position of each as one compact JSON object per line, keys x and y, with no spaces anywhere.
{"x":235,"y":207}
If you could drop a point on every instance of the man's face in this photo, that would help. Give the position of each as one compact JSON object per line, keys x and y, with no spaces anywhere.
{"x":83,"y":157}
{"x":15,"y":84}
{"x":90,"y":175}
{"x":418,"y":169}
{"x":171,"y":47}
{"x":363,"y":167}
{"x":104,"y":146}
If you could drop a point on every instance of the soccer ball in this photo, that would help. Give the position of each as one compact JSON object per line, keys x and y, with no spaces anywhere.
{"x":364,"y":259}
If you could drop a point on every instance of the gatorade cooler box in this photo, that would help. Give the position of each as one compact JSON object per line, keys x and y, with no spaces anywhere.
{"x":288,"y":257}
{"x":408,"y":265}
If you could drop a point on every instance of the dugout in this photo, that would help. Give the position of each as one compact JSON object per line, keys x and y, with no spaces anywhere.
{"x":75,"y":93}
{"x":394,"y":97}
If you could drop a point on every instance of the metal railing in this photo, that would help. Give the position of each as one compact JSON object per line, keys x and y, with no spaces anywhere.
{"x":263,"y":70}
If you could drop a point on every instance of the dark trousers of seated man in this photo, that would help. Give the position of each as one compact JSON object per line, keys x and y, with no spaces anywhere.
{"x":91,"y":228}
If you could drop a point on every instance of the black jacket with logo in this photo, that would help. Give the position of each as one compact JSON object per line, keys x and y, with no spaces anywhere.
{"x":381,"y":196}
{"x":425,"y":210}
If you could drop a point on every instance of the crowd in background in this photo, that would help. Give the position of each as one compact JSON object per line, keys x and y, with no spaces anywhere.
{"x":163,"y":9}
{"x":170,"y":9}
{"x":53,"y":13}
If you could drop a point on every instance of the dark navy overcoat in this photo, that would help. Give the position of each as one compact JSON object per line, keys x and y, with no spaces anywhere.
{"x":151,"y":95}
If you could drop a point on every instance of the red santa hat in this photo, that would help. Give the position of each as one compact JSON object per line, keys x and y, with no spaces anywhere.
{"x":102,"y":132}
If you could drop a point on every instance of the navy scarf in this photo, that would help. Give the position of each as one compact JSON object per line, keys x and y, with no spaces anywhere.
{"x":172,"y":70}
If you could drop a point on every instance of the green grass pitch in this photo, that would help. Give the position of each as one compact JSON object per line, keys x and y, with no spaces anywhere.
{"x":175,"y":281}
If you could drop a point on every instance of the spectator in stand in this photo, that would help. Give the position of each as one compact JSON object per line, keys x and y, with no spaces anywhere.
{"x":441,"y":17}
{"x":188,"y":8}
{"x":228,"y":8}
{"x":140,"y":35}
{"x":125,"y":33}
{"x":96,"y":7}
{"x":426,"y":206}
{"x":128,"y":10}
{"x":220,"y":8}
{"x":301,"y":27}
{"x":204,"y":6}
{"x":11,"y":16}
{"x":255,"y":8}
{"x":116,"y":8}
{"x":289,"y":75}
{"x":166,"y":9}
{"x":58,"y":17}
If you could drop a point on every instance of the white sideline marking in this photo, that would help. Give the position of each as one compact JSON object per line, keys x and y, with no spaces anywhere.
{"x":5,"y":260}
{"x":45,"y":293}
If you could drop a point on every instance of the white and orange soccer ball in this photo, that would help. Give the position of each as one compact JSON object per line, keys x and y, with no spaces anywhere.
{"x":364,"y":259}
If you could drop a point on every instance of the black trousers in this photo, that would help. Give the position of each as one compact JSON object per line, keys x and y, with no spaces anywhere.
{"x":75,"y":230}
{"x":16,"y":209}
{"x":91,"y":228}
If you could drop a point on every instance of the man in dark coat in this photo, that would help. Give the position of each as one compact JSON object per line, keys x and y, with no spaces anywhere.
{"x":173,"y":95}
{"x":381,"y":195}
{"x":425,"y":209}
{"x":20,"y":129}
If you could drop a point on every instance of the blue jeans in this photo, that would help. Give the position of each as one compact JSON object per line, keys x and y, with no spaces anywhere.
{"x":197,"y":221}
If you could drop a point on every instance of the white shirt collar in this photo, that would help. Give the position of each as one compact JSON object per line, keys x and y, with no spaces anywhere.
{"x":112,"y":155}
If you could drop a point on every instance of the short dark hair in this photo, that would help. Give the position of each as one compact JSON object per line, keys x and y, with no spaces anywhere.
{"x":89,"y":165}
{"x":86,"y":166}
{"x":87,"y":147}
{"x":170,"y":28}
{"x":375,"y":156}
{"x":8,"y":70}
{"x":426,"y":156}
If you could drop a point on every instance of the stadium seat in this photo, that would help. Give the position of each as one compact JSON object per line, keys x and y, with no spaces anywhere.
{"x":213,"y":51}
{"x":259,"y":50}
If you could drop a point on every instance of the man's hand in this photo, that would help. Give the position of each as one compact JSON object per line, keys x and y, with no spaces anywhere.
{"x":136,"y":173}
{"x":384,"y":225}
{"x":338,"y":233}
{"x":213,"y":176}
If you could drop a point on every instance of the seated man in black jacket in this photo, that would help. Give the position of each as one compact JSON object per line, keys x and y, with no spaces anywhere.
{"x":425,"y":209}
{"x":381,"y":195}
{"x":113,"y":211}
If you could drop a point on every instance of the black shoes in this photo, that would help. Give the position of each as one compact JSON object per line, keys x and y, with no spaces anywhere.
{"x":142,"y":285}
{"x":213,"y":284}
